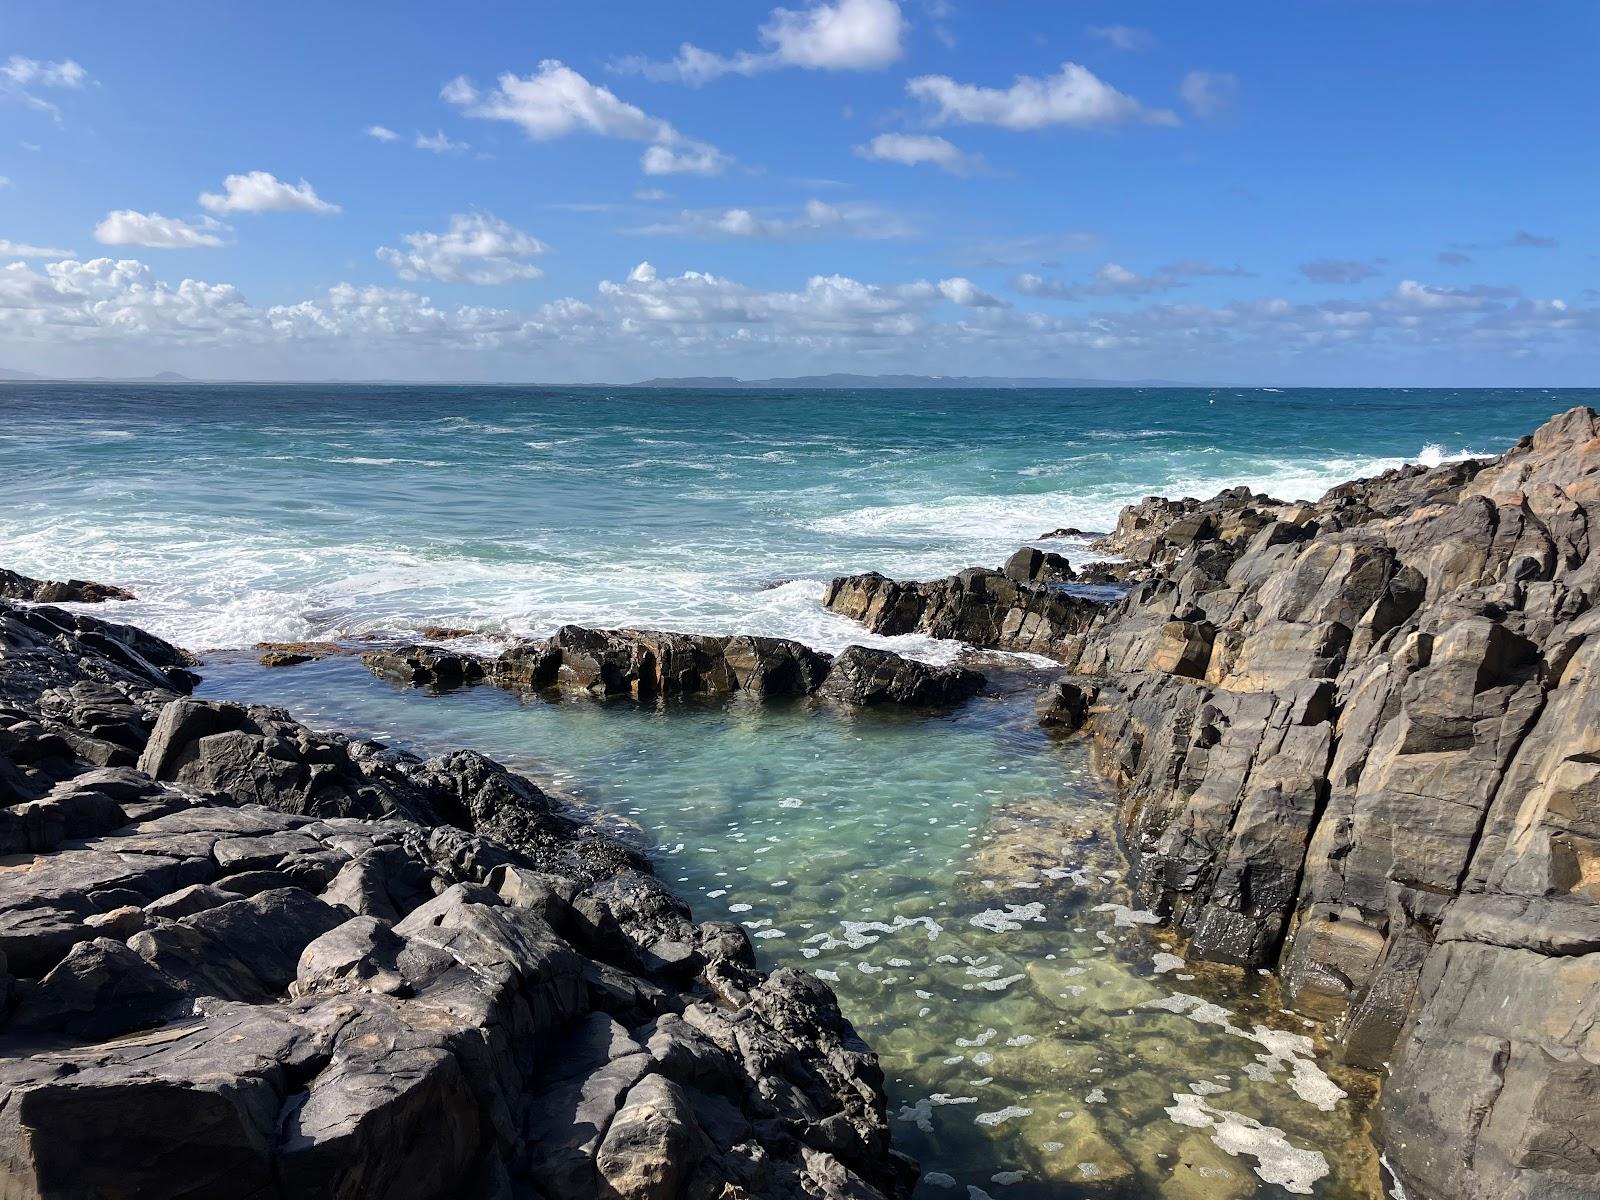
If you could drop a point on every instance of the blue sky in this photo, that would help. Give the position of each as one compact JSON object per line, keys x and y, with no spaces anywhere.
{"x":1321,"y":193}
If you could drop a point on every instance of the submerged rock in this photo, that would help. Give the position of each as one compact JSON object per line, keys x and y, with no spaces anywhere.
{"x":1358,"y":740}
{"x":358,"y":973}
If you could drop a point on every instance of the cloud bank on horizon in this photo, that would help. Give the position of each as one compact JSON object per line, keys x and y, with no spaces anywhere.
{"x":859,"y":185}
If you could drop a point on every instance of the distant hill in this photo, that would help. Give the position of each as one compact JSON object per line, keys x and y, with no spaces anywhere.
{"x":845,"y":381}
{"x":160,"y":377}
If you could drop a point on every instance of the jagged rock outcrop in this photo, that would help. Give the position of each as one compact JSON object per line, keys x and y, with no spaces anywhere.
{"x":865,"y":676}
{"x":1011,"y":609}
{"x":647,"y":664}
{"x":247,"y":959}
{"x":1360,"y":740}
{"x":51,"y":591}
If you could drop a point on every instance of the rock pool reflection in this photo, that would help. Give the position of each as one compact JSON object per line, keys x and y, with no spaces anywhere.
{"x":956,"y":879}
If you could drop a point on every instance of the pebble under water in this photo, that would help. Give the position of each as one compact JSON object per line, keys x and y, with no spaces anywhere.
{"x":956,"y":879}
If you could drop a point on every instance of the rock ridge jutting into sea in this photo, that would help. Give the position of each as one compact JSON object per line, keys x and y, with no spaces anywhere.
{"x":1359,"y":741}
{"x":241,"y":958}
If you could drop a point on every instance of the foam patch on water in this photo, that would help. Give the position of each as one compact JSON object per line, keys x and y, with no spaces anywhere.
{"x":1277,"y":1161}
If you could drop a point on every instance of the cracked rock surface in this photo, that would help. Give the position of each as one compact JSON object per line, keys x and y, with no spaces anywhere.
{"x":246,"y":959}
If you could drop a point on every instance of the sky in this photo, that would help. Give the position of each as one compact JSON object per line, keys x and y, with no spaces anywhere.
{"x":1343,"y":192}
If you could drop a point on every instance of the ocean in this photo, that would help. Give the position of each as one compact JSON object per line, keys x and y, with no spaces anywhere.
{"x":953,"y":875}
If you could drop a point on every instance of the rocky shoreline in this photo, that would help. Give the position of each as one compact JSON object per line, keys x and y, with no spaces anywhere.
{"x":1358,"y":742}
{"x":242,"y":958}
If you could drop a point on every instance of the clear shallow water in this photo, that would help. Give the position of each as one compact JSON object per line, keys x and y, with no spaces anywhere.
{"x":954,"y":876}
{"x":955,"y":879}
{"x":257,"y":512}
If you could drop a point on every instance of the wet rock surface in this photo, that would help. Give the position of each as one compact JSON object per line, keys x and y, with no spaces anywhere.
{"x":1359,"y":741}
{"x":52,"y":591}
{"x":647,"y":664}
{"x":1021,"y":607}
{"x":245,"y":958}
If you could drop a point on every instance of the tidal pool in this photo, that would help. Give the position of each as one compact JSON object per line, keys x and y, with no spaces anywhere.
{"x":956,"y":879}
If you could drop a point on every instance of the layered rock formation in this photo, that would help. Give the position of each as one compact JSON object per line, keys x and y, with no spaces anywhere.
{"x":1017,"y":608}
{"x":646,"y":664}
{"x":242,"y":958}
{"x":1360,"y":739}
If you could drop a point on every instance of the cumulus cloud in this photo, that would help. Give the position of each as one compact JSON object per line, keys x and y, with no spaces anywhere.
{"x":10,"y":249}
{"x":683,"y":158}
{"x":125,"y":227}
{"x":261,"y":191}
{"x":1073,"y":96}
{"x":1113,"y":279}
{"x":697,"y":317}
{"x":381,"y":133}
{"x":1338,"y":270}
{"x":817,"y":219}
{"x":557,"y":101}
{"x":962,"y":291}
{"x":913,"y":149}
{"x":476,"y":248}
{"x":1122,"y":37}
{"x":439,"y":143}
{"x":841,"y":35}
{"x":1208,"y":94}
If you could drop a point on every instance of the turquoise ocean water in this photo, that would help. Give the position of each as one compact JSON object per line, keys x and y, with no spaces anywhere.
{"x":955,"y":876}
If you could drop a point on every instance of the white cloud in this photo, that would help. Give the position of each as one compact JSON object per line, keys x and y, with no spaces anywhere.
{"x":695,"y":319}
{"x":30,"y":71}
{"x":841,"y":35}
{"x":261,"y":191}
{"x":557,"y":101}
{"x":651,"y":195}
{"x":816,"y":219}
{"x":964,"y":292}
{"x":1208,"y":93}
{"x":9,"y":249}
{"x":1114,"y":279}
{"x":124,"y":227}
{"x":439,"y":143}
{"x":1073,"y":96}
{"x":1409,"y":295}
{"x":1122,"y":37}
{"x":683,"y":158}
{"x":477,"y":248}
{"x":4,"y":183}
{"x":912,"y":149}
{"x":382,"y":133}
{"x":19,"y":74}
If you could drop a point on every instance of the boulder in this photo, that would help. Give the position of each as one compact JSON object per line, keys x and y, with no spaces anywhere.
{"x":48,"y":591}
{"x":865,"y":676}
